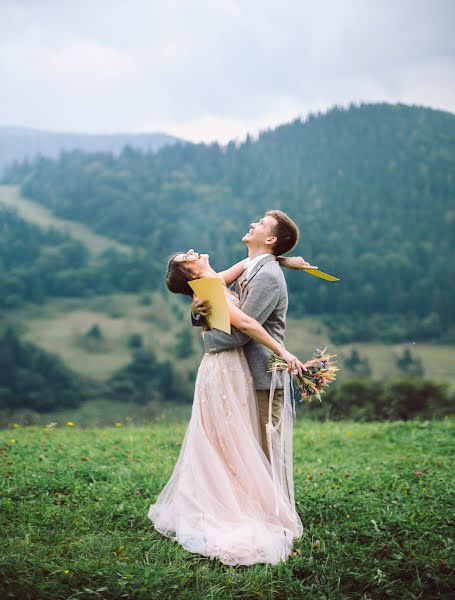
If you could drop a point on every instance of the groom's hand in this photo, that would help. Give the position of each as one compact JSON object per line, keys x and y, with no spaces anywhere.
{"x":200,"y":307}
{"x":295,"y":262}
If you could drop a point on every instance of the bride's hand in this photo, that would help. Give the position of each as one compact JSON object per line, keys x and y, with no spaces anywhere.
{"x":200,"y":307}
{"x":294,"y":364}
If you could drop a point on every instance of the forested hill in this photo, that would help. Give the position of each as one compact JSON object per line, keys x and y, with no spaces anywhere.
{"x":19,"y":143}
{"x":372,"y":188}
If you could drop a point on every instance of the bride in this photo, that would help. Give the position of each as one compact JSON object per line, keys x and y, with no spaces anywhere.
{"x":224,"y":499}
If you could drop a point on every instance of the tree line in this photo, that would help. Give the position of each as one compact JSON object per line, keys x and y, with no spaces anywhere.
{"x":31,"y":378}
{"x":36,"y":264}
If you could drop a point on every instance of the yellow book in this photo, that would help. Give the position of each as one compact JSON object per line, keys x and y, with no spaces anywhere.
{"x":211,"y":289}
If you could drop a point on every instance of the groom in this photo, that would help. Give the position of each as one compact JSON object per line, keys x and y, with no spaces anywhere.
{"x":263,"y":295}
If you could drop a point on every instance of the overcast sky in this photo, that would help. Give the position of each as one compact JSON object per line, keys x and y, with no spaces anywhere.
{"x":216,"y":69}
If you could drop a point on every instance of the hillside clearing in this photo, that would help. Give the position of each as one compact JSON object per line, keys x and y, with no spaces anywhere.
{"x":59,"y":325}
{"x":37,"y":214}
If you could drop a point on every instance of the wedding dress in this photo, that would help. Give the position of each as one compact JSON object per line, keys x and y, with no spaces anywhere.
{"x":224,"y":499}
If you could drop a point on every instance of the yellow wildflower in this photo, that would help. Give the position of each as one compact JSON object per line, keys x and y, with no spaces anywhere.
{"x":70,"y":423}
{"x":12,"y":441}
{"x":118,"y":424}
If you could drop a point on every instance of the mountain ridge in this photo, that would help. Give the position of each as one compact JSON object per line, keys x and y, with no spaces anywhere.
{"x":24,"y":143}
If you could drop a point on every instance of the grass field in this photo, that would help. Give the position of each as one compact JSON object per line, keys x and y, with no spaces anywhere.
{"x":376,"y":501}
{"x":59,"y":325}
{"x":42,"y":217}
{"x":101,"y":412}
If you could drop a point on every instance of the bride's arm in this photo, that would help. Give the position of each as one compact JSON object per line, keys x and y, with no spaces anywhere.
{"x":253,"y":329}
{"x":233,"y":273}
{"x":290,"y":262}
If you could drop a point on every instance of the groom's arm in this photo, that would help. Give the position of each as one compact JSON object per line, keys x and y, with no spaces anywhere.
{"x":197,"y":320}
{"x":263,"y":296}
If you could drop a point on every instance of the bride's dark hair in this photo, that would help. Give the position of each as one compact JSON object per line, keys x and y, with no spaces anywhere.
{"x":178,"y":275}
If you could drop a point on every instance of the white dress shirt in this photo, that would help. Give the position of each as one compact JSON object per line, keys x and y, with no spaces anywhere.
{"x":250,"y":263}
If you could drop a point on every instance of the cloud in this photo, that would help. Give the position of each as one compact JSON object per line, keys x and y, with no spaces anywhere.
{"x":89,"y":60}
{"x":207,"y":67}
{"x":84,"y":60}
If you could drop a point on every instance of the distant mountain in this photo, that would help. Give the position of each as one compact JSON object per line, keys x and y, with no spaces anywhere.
{"x":19,"y":143}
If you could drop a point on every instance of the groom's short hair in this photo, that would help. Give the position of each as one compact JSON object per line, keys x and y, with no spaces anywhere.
{"x":285,"y":230}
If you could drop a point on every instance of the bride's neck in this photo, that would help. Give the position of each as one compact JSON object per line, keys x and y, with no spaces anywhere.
{"x":209,"y":272}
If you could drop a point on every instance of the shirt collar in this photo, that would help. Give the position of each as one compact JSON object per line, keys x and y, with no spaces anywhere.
{"x":250,"y":263}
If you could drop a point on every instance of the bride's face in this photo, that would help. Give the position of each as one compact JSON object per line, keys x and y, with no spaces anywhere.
{"x":193,"y":260}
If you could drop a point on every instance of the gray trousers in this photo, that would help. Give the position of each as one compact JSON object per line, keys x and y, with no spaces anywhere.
{"x":263,"y":409}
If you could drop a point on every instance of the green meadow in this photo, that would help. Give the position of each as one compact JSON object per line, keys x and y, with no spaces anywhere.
{"x":376,"y":500}
{"x":60,"y":324}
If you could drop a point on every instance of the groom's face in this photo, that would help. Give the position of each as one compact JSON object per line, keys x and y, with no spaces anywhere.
{"x":261,"y":232}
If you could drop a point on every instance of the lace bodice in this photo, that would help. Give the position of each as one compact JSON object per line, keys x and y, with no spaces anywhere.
{"x":232,"y":297}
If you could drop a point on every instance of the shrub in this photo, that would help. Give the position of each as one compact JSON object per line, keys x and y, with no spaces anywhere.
{"x":371,"y":400}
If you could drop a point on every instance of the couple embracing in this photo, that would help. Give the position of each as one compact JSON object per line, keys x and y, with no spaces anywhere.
{"x":231,"y":494}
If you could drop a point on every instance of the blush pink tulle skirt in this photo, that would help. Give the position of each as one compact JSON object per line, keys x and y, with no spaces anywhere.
{"x":224,"y":499}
